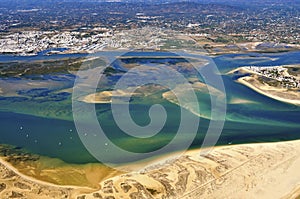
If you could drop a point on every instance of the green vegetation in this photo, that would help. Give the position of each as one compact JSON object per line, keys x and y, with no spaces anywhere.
{"x":47,"y":66}
{"x":178,"y":44}
{"x":294,"y":71}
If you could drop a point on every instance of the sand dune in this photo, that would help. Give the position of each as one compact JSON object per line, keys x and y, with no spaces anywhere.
{"x":240,"y":171}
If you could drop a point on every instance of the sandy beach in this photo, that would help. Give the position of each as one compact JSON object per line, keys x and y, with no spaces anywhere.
{"x":280,"y":94}
{"x":241,"y":171}
{"x":284,"y":95}
{"x":268,"y":170}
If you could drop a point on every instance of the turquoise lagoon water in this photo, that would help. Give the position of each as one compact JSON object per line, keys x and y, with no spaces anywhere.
{"x":40,"y":119}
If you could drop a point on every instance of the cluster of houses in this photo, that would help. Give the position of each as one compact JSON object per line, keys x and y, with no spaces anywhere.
{"x":278,"y":73}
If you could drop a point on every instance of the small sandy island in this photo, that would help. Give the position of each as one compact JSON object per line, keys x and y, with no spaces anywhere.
{"x":105,"y":97}
{"x":158,"y":92}
{"x":269,"y":170}
{"x":281,"y":83}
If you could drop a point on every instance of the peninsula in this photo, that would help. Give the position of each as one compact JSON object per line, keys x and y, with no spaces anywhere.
{"x":278,"y":82}
{"x":248,"y":170}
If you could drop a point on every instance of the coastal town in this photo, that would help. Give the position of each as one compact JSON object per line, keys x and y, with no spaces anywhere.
{"x":220,"y":23}
{"x":280,"y":74}
{"x":149,"y":99}
{"x":29,"y":29}
{"x":30,"y":43}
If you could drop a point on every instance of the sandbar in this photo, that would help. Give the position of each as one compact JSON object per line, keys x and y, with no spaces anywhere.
{"x":291,"y":96}
{"x":266,"y":170}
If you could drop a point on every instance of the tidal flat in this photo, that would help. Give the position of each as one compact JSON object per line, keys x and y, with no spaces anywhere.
{"x":36,"y":116}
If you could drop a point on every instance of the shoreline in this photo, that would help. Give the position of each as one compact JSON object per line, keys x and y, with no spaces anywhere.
{"x":263,"y":89}
{"x":16,"y":184}
{"x":244,"y":81}
{"x":277,"y":160}
{"x":295,"y":194}
{"x":26,"y":177}
{"x":228,"y":167}
{"x":212,"y":54}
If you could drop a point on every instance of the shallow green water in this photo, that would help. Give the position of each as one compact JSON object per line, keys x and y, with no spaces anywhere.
{"x":40,"y":119}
